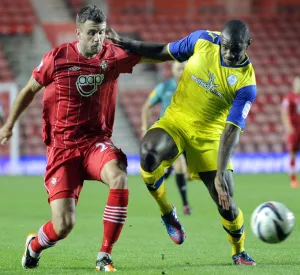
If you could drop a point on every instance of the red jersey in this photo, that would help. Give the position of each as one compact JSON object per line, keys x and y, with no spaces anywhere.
{"x":291,"y":102}
{"x":80,"y":96}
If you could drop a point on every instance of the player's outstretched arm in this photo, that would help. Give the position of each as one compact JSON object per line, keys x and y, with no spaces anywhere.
{"x":285,"y":118}
{"x":1,"y":116}
{"x":151,"y":50}
{"x":145,"y":114}
{"x":20,"y":104}
{"x":1,"y":121}
{"x":229,"y":140}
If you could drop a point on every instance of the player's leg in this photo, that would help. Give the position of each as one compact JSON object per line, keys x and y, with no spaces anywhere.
{"x":62,"y":222}
{"x":187,"y":173}
{"x":158,"y":150}
{"x":63,"y":182}
{"x":293,"y":176}
{"x":292,"y":147}
{"x":157,"y":146}
{"x":232,"y":219}
{"x":168,"y":172}
{"x":180,"y":171}
{"x":108,"y":164}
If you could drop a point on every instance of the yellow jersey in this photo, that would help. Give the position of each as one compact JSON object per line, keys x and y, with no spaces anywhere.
{"x":210,"y":93}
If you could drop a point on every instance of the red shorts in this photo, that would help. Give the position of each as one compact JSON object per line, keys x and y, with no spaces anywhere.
{"x":293,"y":142}
{"x":68,"y":168}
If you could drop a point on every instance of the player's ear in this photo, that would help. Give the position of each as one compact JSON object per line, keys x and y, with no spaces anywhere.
{"x":249,"y":43}
{"x":78,"y":33}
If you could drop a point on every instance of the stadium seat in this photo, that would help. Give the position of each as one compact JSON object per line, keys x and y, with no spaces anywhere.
{"x":76,"y":5}
{"x":16,"y":17}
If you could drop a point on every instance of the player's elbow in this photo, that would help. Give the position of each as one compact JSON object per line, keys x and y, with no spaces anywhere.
{"x":146,"y":108}
{"x":28,"y":92}
{"x":231,"y":135}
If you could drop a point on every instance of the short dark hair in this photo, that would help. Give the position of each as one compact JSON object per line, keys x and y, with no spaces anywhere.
{"x":91,"y":12}
{"x":237,"y":29}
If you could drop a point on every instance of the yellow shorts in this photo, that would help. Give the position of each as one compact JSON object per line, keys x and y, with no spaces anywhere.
{"x":201,"y":150}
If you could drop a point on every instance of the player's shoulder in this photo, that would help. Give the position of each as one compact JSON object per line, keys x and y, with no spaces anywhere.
{"x":168,"y":84}
{"x":291,"y":95}
{"x":205,"y":35}
{"x":211,"y":36}
{"x":205,"y":40}
{"x":112,"y":48}
{"x":289,"y":98}
{"x":62,"y":49}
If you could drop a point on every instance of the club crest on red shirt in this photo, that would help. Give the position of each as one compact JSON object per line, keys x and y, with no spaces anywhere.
{"x":104,"y":65}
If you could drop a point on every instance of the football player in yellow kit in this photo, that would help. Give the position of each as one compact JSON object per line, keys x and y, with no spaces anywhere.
{"x":207,"y":113}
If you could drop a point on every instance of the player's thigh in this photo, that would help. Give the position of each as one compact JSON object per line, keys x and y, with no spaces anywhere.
{"x":64,"y":174}
{"x":297,"y":141}
{"x":292,"y":142}
{"x":202,"y":156}
{"x":180,"y":165}
{"x":163,"y":143}
{"x":104,"y":161}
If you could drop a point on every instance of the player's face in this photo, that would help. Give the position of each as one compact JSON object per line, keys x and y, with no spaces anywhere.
{"x":232,"y":51}
{"x":177,"y":70}
{"x":296,"y":85}
{"x":91,"y":36}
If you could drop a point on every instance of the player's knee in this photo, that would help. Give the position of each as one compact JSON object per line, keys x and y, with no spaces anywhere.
{"x":150,"y":158}
{"x":117,"y":179}
{"x":63,"y":224}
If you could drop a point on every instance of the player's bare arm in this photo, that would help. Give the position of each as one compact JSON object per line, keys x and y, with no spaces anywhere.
{"x":22,"y":101}
{"x":146,"y":109}
{"x":287,"y":125}
{"x":151,"y":50}
{"x":229,"y":141}
{"x":1,"y":118}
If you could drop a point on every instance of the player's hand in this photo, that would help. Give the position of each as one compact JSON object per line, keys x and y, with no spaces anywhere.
{"x":5,"y":134}
{"x":222,"y":190}
{"x":112,"y":35}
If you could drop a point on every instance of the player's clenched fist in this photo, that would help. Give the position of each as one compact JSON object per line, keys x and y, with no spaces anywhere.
{"x":5,"y":134}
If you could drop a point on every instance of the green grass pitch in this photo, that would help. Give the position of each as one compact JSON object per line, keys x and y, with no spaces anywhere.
{"x":144,"y":246}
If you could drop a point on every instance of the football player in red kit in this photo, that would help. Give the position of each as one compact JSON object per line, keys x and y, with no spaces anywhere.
{"x":80,"y":81}
{"x":290,"y":113}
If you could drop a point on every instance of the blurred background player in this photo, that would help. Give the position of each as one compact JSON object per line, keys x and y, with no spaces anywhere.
{"x":80,"y":80}
{"x":162,"y":94}
{"x":1,"y":115}
{"x":290,"y":114}
{"x":205,"y":119}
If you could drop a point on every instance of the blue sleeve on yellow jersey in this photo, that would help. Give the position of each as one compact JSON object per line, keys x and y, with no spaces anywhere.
{"x":156,"y":95}
{"x":183,"y":49}
{"x":241,"y":105}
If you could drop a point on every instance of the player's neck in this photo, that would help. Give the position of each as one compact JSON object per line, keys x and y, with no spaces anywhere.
{"x":243,"y":60}
{"x":82,"y":53}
